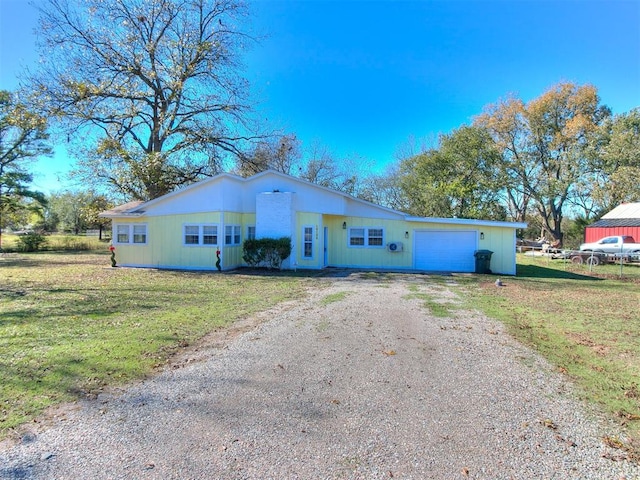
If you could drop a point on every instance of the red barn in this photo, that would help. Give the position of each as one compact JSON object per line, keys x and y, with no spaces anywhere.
{"x":622,"y":220}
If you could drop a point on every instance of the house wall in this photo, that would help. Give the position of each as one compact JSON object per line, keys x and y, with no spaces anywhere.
{"x":165,"y":245}
{"x":501,"y":241}
{"x":593,"y":234}
{"x":309,"y":198}
{"x":341,"y":254}
{"x":165,"y":248}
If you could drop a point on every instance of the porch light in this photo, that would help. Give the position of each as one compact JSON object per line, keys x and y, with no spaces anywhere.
{"x":406,"y":234}
{"x":344,"y":225}
{"x":481,"y":235}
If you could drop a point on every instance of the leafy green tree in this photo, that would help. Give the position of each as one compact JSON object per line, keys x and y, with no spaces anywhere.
{"x":457,"y":179}
{"x":153,"y":87}
{"x":67,"y":208}
{"x":75,"y":212}
{"x":23,"y":138}
{"x":544,"y":147}
{"x":615,"y":162}
{"x":92,"y":208}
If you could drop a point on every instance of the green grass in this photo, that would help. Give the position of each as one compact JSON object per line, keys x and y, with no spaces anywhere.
{"x":587,"y":326}
{"x":70,"y":325}
{"x":434,"y":305}
{"x":627,"y":271}
{"x":332,"y":298}
{"x":433,"y":302}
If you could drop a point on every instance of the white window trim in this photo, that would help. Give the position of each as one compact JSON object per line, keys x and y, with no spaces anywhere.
{"x":366,"y":237}
{"x":302,"y":255}
{"x":200,"y":235}
{"x":234,"y":229}
{"x":130,"y":233}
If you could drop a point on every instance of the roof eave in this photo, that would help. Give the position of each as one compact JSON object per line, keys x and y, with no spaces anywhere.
{"x":467,"y":221}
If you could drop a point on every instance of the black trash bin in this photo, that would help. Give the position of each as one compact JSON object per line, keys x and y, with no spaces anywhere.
{"x":483,"y":261}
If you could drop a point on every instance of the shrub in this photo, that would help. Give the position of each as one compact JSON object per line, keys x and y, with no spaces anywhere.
{"x":30,"y":242}
{"x":267,"y":252}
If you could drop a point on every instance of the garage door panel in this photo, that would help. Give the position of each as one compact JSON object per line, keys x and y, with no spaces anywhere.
{"x":445,"y":251}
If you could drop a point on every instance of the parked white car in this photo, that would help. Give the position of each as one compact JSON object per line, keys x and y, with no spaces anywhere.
{"x":615,"y":244}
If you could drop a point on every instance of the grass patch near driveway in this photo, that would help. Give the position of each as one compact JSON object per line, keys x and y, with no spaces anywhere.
{"x":434,"y":305}
{"x":588,"y":327}
{"x":333,"y":298}
{"x":70,"y":325}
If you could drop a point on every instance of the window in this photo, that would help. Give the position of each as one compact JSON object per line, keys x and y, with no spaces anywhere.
{"x":200,"y":234}
{"x":122,"y":233}
{"x":356,"y":237}
{"x":232,"y":235}
{"x":209,"y":234}
{"x":192,"y":235}
{"x":366,"y":237}
{"x":131,"y":233}
{"x":139,"y":234}
{"x":251,"y":232}
{"x":307,"y":242}
{"x":375,"y":237}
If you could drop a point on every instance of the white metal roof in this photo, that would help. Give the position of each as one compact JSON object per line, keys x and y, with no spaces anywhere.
{"x":466,"y":221}
{"x":626,"y":210}
{"x":133,"y":209}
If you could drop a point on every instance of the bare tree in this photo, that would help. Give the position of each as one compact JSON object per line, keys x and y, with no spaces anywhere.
{"x":280,"y":153}
{"x":386,"y":189}
{"x":151,"y":88}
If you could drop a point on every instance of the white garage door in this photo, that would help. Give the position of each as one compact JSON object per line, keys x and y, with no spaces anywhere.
{"x":445,"y":251}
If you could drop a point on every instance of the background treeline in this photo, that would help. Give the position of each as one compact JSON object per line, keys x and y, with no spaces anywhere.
{"x":149,"y":97}
{"x":557,"y":162}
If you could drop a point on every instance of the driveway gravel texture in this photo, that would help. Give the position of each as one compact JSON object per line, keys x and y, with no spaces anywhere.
{"x":355,"y":381}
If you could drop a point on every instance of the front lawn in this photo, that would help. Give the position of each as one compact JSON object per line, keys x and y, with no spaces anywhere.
{"x":70,"y":325}
{"x":587,"y":323}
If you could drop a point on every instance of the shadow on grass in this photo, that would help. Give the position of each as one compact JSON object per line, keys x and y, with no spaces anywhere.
{"x":534,"y":271}
{"x":47,"y":259}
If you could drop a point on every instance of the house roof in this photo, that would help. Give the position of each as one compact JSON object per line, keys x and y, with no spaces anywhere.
{"x":133,"y":209}
{"x":624,"y":211}
{"x":126,"y":209}
{"x":616,"y":222}
{"x":466,"y":221}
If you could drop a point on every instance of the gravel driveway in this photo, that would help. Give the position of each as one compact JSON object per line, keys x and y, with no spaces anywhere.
{"x":357,"y":381}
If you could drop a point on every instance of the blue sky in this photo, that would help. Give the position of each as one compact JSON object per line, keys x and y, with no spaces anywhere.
{"x":362,"y":77}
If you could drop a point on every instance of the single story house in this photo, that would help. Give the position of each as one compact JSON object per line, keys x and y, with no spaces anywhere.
{"x":622,"y":220}
{"x":328,"y":228}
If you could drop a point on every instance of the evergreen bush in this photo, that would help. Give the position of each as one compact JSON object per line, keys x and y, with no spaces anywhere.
{"x":266,"y":252}
{"x":31,"y":242}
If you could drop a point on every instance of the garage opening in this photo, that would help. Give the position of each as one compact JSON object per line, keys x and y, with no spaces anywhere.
{"x":445,"y":250}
